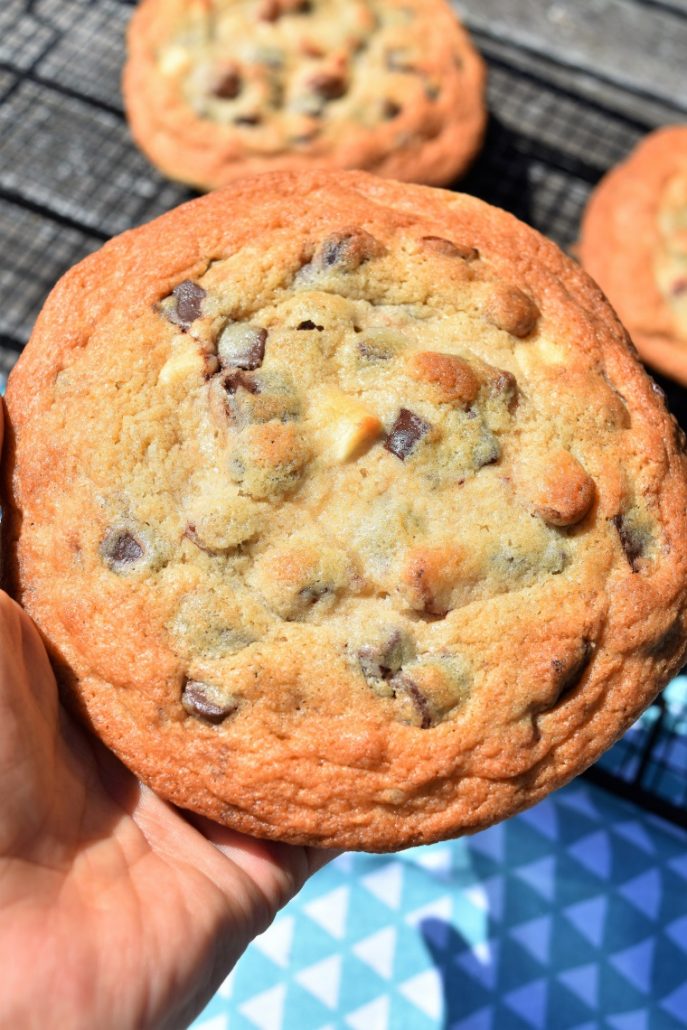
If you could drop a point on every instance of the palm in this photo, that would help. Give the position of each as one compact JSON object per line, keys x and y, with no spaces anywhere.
{"x":115,"y":908}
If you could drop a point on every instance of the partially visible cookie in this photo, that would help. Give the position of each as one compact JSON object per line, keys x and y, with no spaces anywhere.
{"x":345,"y":509}
{"x":217,"y":90}
{"x":634,"y":243}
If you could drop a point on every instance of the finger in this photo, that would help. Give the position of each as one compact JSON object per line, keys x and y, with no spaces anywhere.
{"x":28,"y":727}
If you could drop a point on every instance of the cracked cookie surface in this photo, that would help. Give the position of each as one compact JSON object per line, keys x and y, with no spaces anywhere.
{"x":361,"y":531}
{"x":218,"y":88}
{"x":634,"y":243}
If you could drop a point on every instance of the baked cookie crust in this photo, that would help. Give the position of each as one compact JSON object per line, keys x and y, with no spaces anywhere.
{"x":634,"y":243}
{"x":217,"y":89}
{"x":345,"y":509}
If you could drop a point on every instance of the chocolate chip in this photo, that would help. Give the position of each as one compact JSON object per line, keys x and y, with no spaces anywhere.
{"x":632,"y":540}
{"x":229,"y":86}
{"x":309,"y":596}
{"x":269,"y":10}
{"x":569,"y":672}
{"x":405,"y":433}
{"x":512,"y":311}
{"x":382,"y":661}
{"x":207,"y":702}
{"x":506,"y":385}
{"x":403,"y":683}
{"x":391,"y":109}
{"x":237,"y":380}
{"x":248,"y":119}
{"x":121,"y":550}
{"x":242,"y":346}
{"x":679,"y":287}
{"x":328,"y":85}
{"x":346,"y":250}
{"x":442,"y":246}
{"x":308,"y":324}
{"x":189,"y":298}
{"x":272,"y":10}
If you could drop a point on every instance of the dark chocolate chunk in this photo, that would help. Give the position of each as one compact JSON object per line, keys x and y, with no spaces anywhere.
{"x":312,"y":594}
{"x":272,"y":10}
{"x":206,"y":701}
{"x":248,"y":119}
{"x":237,"y":380}
{"x":308,"y":324}
{"x":121,"y":550}
{"x":391,"y":109}
{"x":242,"y":346}
{"x":328,"y":85}
{"x":632,"y":540}
{"x":449,"y":249}
{"x":189,"y":298}
{"x":405,"y":433}
{"x":382,"y":661}
{"x":570,"y":672}
{"x":229,"y":86}
{"x":404,"y":683}
{"x":506,"y":385}
{"x":679,"y":287}
{"x":345,"y":250}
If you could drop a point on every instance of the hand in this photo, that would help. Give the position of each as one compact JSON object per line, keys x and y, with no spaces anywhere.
{"x":116,"y":910}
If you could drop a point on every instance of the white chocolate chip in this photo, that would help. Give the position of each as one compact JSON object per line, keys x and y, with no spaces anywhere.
{"x":186,"y":364}
{"x":174,"y":60}
{"x":346,"y":424}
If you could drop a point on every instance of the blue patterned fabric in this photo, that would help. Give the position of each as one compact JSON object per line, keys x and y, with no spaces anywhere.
{"x":571,"y":915}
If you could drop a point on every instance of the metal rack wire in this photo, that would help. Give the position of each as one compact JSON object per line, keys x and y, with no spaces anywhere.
{"x":70,"y":177}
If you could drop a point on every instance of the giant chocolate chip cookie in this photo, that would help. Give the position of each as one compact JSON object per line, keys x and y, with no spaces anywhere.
{"x":357,"y":527}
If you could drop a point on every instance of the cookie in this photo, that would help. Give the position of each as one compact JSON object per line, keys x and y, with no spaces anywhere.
{"x":634,"y":243}
{"x":214,"y":91}
{"x":359,"y":527}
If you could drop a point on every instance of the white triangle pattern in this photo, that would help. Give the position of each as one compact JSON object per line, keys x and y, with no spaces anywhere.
{"x":277,"y":940}
{"x":438,"y":861}
{"x":216,"y":1023}
{"x":377,"y":951}
{"x":226,"y":988}
{"x":323,"y":980}
{"x":266,"y":1010}
{"x":425,"y":992}
{"x":442,"y":908}
{"x":386,"y":884}
{"x":373,"y":1016}
{"x":477,"y":896}
{"x":330,"y":911}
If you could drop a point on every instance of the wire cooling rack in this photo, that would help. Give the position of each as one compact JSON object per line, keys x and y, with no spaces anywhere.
{"x":70,"y":178}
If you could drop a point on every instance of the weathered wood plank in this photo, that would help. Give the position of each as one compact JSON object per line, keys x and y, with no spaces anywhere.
{"x":641,"y":46}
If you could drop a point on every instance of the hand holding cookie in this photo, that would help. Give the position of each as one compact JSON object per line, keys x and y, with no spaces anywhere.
{"x":102,"y":884}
